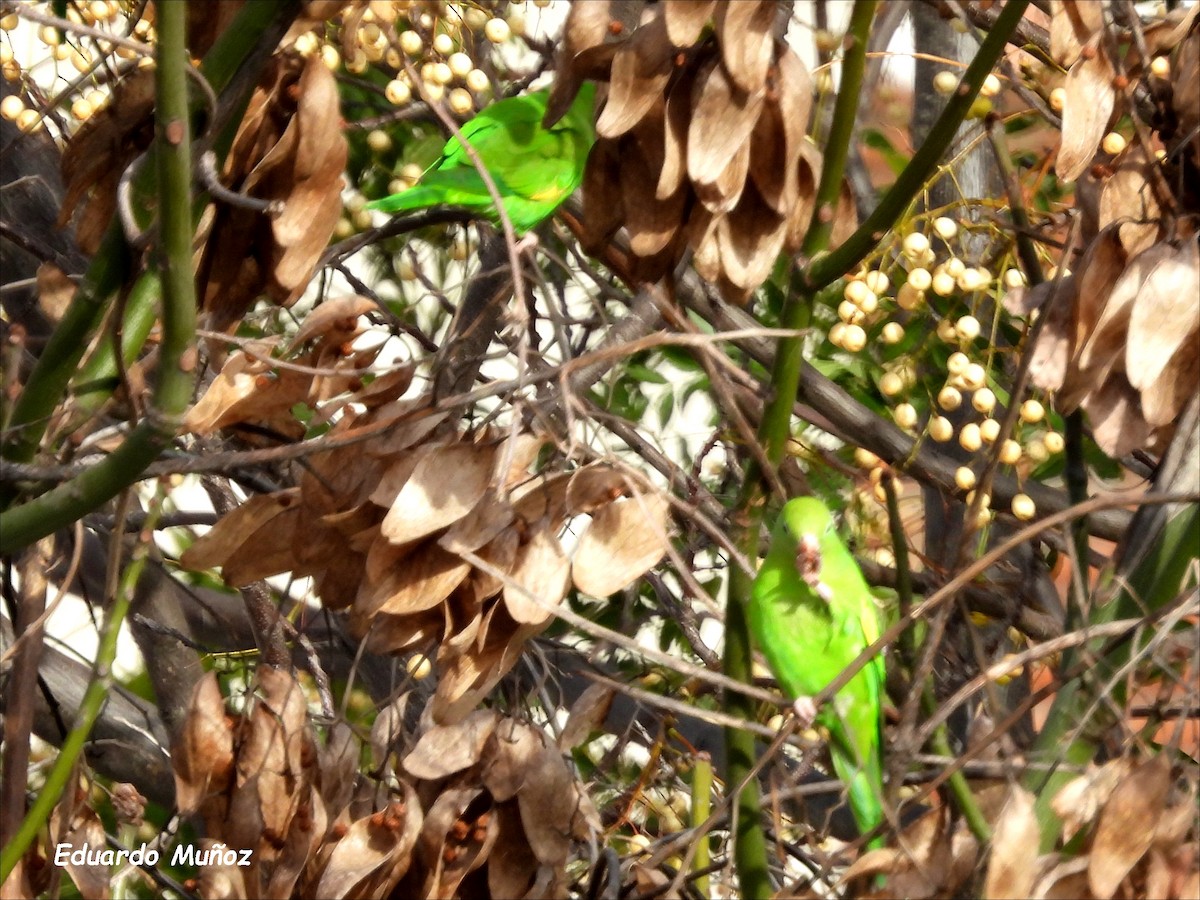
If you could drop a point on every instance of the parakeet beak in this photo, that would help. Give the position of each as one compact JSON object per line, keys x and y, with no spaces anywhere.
{"x":808,"y":565}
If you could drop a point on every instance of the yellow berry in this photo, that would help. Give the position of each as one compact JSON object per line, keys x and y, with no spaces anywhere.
{"x":905,"y":415}
{"x":306,"y":44}
{"x":81,"y":110}
{"x":1113,"y":143}
{"x":957,"y":362}
{"x":945,"y":227}
{"x":892,"y":333}
{"x":397,"y":92}
{"x":991,"y":86}
{"x":984,"y":400}
{"x":433,"y":91}
{"x":865,"y":459}
{"x":915,"y":245}
{"x":1010,"y":452}
{"x":1037,"y":452}
{"x":442,"y":74}
{"x":964,"y":478}
{"x":29,"y":120}
{"x":1032,"y":411}
{"x":837,"y":334}
{"x":949,"y":398}
{"x":945,"y":332}
{"x":869,"y":304}
{"x":877,"y":282}
{"x":989,"y":429}
{"x":330,"y":57}
{"x":477,"y":80}
{"x":443,"y":44}
{"x":974,"y":376}
{"x":1023,"y":507}
{"x":379,"y":140}
{"x":11,"y":107}
{"x":1058,"y":99}
{"x":920,"y":279}
{"x":9,"y":22}
{"x":516,"y":21}
{"x":1160,"y":67}
{"x":943,"y":284}
{"x":460,"y":101}
{"x":460,"y":64}
{"x":954,"y":266}
{"x":856,"y":292}
{"x":849,"y":312}
{"x":890,"y":384}
{"x":855,"y":338}
{"x":410,"y":42}
{"x":1053,"y":442}
{"x":1013,"y":278}
{"x":941,"y":429}
{"x":970,"y":438}
{"x":945,"y":83}
{"x":48,"y":35}
{"x":497,"y":31}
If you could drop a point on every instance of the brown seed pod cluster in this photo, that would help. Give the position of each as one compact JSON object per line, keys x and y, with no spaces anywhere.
{"x":701,"y":145}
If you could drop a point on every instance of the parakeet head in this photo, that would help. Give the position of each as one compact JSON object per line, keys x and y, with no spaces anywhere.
{"x":803,"y":523}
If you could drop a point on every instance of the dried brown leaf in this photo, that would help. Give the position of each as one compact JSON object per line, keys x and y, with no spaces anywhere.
{"x":538,"y":579}
{"x":1165,"y":315}
{"x":446,"y":749}
{"x":778,"y":136}
{"x":749,"y":241}
{"x":1115,"y":411}
{"x":423,"y":582}
{"x":511,"y":759}
{"x":1073,"y":23}
{"x":335,"y":320}
{"x":1088,"y":106}
{"x":445,"y":486}
{"x":512,"y":868}
{"x":1066,"y":881}
{"x":746,"y":36}
{"x":623,"y":541}
{"x":1127,"y":198}
{"x":375,"y":851}
{"x":685,"y":20}
{"x":220,"y":880}
{"x":1079,"y":801}
{"x":640,"y":72}
{"x":723,"y":119}
{"x":549,"y":804}
{"x":1126,"y":827}
{"x":1052,"y":353}
{"x":214,"y":548}
{"x":1014,"y":843}
{"x":677,"y":114}
{"x":202,"y":756}
{"x":603,"y":203}
{"x":587,"y":715}
{"x":54,"y":291}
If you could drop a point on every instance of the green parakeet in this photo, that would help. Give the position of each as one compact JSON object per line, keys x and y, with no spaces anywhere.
{"x":534,"y":168}
{"x":811,"y":615}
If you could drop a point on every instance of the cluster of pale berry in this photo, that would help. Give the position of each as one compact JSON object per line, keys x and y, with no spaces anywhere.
{"x":864,"y":308}
{"x":74,"y":58}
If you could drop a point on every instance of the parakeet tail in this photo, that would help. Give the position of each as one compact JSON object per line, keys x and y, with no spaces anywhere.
{"x":865,"y":787}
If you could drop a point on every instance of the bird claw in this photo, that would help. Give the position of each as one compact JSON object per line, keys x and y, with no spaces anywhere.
{"x":805,"y":710}
{"x":528,"y":243}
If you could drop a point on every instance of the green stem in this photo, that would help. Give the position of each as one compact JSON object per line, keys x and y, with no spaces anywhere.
{"x":702,"y":782}
{"x":92,"y":703}
{"x":247,"y":41}
{"x":826,"y":268}
{"x":750,"y":846}
{"x":73,"y":499}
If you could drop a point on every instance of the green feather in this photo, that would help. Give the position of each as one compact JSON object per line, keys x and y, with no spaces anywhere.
{"x":534,"y":168}
{"x":810,"y":629}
